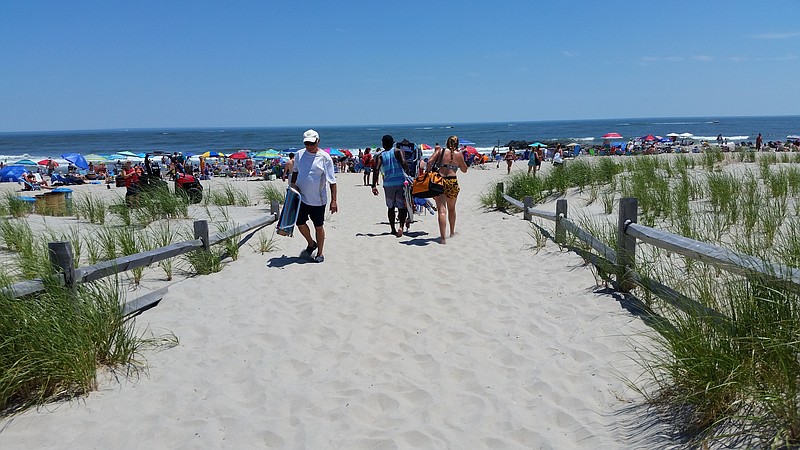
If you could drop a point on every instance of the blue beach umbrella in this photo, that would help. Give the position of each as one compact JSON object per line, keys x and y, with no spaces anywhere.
{"x":465,"y":142}
{"x":77,"y":160}
{"x":12,"y":173}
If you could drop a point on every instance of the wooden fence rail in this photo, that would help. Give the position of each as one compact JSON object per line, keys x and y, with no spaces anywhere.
{"x":61,"y":257}
{"x":622,"y":259}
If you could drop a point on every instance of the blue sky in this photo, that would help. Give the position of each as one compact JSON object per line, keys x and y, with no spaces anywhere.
{"x":109,"y":64}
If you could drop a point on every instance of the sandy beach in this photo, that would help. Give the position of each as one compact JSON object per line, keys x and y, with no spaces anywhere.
{"x":390,"y":343}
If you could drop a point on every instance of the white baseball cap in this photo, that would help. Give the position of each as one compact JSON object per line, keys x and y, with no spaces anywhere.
{"x":310,"y":136}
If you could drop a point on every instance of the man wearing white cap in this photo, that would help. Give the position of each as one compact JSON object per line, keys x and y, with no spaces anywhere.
{"x":313,"y":171}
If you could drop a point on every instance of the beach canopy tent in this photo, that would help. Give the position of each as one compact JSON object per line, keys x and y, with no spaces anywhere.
{"x":618,"y":144}
{"x":46,"y":162}
{"x":77,"y":160}
{"x":26,"y":162}
{"x":12,"y":173}
{"x":239,"y":155}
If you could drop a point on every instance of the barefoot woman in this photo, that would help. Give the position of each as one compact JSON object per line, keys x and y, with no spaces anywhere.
{"x":451,"y":161}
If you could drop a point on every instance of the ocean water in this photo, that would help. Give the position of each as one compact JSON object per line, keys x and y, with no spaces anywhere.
{"x":33,"y":145}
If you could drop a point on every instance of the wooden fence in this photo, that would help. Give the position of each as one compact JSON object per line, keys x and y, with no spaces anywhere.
{"x":61,"y":257}
{"x":620,"y":261}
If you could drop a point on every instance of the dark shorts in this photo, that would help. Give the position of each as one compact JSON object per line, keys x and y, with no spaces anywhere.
{"x":315,"y":213}
{"x":395,"y":197}
{"x":367,"y":170}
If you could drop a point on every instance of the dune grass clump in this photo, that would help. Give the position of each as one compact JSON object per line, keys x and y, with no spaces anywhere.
{"x":14,"y":206}
{"x":91,"y":208}
{"x":226,"y":195}
{"x":158,"y":203}
{"x":51,"y":345}
{"x":269,"y":193}
{"x":203,"y":262}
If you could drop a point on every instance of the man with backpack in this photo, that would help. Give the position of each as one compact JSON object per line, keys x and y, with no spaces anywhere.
{"x":392,"y":163}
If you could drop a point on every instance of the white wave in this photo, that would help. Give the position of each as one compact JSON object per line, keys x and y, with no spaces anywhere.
{"x":714,"y":138}
{"x":676,"y":123}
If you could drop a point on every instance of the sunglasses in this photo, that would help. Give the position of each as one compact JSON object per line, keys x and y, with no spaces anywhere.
{"x":309,"y":143}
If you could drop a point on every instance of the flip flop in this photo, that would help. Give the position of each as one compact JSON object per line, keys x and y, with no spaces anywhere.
{"x":319,"y":259}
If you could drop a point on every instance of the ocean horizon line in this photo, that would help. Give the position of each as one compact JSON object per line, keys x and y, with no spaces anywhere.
{"x":637,"y":120}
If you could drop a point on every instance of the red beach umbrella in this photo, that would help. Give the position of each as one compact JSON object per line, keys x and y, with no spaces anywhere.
{"x":471,"y":150}
{"x":239,"y":155}
{"x":612,"y":135}
{"x":45,"y":162}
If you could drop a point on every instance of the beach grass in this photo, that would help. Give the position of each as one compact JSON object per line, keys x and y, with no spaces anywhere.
{"x":732,"y":377}
{"x":53,"y":343}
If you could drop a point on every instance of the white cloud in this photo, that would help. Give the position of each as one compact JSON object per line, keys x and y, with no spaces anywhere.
{"x":570,"y":54}
{"x":703,"y":58}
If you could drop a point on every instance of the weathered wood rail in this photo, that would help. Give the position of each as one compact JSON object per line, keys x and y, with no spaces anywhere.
{"x":62,"y":258}
{"x":620,"y":261}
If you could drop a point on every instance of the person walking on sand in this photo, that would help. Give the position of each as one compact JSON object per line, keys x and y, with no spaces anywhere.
{"x":367,"y":162}
{"x":510,"y":157}
{"x":759,"y":142}
{"x":313,"y":170}
{"x":534,"y":162}
{"x":450,"y":161}
{"x":392,"y":164}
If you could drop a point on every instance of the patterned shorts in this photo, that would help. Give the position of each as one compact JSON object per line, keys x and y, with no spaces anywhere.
{"x":451,"y":188}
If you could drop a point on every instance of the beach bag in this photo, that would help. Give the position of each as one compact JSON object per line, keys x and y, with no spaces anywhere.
{"x":427,"y":185}
{"x":430,"y":183}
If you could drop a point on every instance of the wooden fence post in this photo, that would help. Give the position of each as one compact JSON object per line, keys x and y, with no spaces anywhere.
{"x":274,"y":207}
{"x":626,"y":245}
{"x":201,"y":232}
{"x":528,"y":202}
{"x":62,"y":259}
{"x":561,"y":232}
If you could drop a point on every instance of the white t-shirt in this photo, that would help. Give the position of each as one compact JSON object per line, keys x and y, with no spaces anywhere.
{"x":314,"y":172}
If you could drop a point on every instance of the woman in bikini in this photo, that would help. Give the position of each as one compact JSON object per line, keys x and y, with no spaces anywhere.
{"x":450,"y":161}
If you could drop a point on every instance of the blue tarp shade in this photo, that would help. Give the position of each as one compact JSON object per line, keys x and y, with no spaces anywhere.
{"x":12,"y":173}
{"x":77,"y":160}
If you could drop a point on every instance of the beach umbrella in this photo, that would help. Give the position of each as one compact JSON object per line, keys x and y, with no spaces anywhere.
{"x":673,"y":135}
{"x":425,"y":147}
{"x":77,"y":160}
{"x":649,"y":137}
{"x":465,"y":142}
{"x":685,"y":135}
{"x":572,"y":144}
{"x":612,"y":135}
{"x":793,"y":136}
{"x":129,"y":153}
{"x":348,"y":153}
{"x":213,"y":154}
{"x":94,"y":158}
{"x":471,"y":150}
{"x":537,"y":144}
{"x":12,"y":173}
{"x":334,"y":152}
{"x":26,"y":162}
{"x":46,"y":162}
{"x":239,"y":155}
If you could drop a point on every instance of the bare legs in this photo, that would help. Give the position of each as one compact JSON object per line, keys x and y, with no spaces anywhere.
{"x":446,"y":213}
{"x":320,"y":235}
